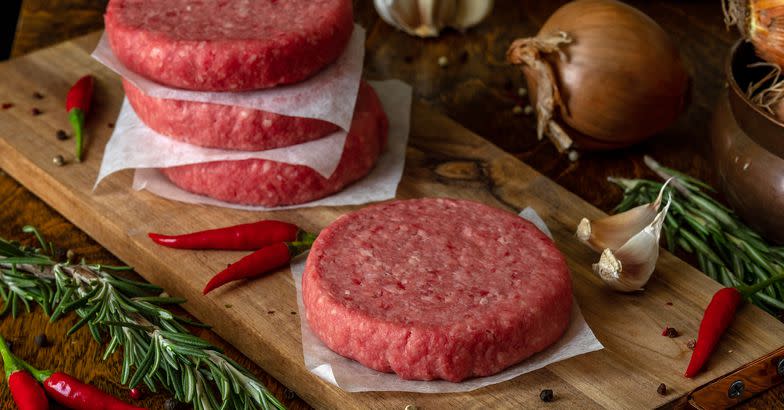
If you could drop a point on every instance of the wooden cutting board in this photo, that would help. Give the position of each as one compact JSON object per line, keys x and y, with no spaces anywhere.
{"x":443,"y":159}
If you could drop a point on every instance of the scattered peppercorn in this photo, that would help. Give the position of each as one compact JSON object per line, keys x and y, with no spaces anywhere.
{"x":38,"y":96}
{"x":662,"y":389}
{"x":228,"y":306}
{"x":668,"y":303}
{"x":691,"y":344}
{"x":289,"y":394}
{"x":293,"y":313}
{"x":546,"y":395}
{"x":61,"y":135}
{"x":35,"y":111}
{"x":7,"y":105}
{"x":136,"y":393}
{"x":443,"y":61}
{"x":41,"y":340}
{"x":270,"y":312}
{"x":172,"y":404}
{"x":58,"y":160}
{"x":110,"y":125}
{"x":670,"y":332}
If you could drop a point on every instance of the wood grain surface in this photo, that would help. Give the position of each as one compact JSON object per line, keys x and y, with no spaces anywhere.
{"x":476,"y":88}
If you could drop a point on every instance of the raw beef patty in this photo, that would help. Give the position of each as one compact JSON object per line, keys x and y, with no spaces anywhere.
{"x":228,"y":45}
{"x":223,"y":126}
{"x":269,"y":183}
{"x":436,"y":289}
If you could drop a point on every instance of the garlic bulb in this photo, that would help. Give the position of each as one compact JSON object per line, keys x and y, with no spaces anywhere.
{"x":426,"y":18}
{"x":630,"y":243}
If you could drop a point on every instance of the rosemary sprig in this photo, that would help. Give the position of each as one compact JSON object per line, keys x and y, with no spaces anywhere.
{"x":726,"y":249}
{"x":157,"y":349}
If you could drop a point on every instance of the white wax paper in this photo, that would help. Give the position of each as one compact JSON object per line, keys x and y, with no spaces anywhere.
{"x":379,"y":185}
{"x":354,"y":377}
{"x":135,"y":145}
{"x":330,"y":95}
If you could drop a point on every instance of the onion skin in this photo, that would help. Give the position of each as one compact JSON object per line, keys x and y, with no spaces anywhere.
{"x":762,"y":23}
{"x":620,"y":79}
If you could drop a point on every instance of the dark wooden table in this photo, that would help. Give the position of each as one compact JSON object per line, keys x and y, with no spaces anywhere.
{"x":477,"y":88}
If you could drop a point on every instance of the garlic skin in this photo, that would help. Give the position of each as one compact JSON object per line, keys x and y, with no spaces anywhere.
{"x":426,"y":18}
{"x":629,"y":242}
{"x":630,"y":267}
{"x":615,"y":230}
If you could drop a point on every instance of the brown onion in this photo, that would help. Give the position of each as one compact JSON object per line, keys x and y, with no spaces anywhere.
{"x":762,"y":23}
{"x":613,"y":74}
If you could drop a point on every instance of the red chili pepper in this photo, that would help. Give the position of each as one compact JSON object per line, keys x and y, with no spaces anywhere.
{"x":245,"y":237}
{"x":62,"y":388}
{"x":717,"y":317}
{"x":264,"y":260}
{"x":77,"y":104}
{"x":72,"y":393}
{"x":27,"y":393}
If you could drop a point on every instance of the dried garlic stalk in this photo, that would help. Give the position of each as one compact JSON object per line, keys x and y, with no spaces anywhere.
{"x":629,"y":242}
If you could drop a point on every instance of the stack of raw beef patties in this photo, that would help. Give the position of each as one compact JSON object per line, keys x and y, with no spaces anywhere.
{"x":236,"y":46}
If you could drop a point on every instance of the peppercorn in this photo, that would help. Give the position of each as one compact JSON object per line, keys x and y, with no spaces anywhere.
{"x":691,"y":344}
{"x":41,"y":340}
{"x":110,"y":125}
{"x":38,"y":96}
{"x":36,"y":111}
{"x":7,"y":105}
{"x":546,"y":395}
{"x":136,"y":393}
{"x":171,"y":404}
{"x":670,"y":332}
{"x":662,"y":389}
{"x":289,"y":394}
{"x":61,"y":135}
{"x":58,"y":160}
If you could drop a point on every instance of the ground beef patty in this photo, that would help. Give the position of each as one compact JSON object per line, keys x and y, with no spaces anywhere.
{"x":223,"y":126}
{"x":228,"y":45}
{"x":269,"y":183}
{"x":436,"y":289}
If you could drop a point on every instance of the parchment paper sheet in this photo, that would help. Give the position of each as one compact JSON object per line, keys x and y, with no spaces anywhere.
{"x":330,"y":95}
{"x":379,"y":185}
{"x":353,"y":377}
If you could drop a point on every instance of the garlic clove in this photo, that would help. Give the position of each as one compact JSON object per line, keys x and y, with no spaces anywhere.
{"x":628,"y":268}
{"x":615,"y":230}
{"x":471,"y":12}
{"x":426,"y":18}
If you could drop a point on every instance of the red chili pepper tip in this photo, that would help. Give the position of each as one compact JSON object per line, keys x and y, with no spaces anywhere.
{"x":264,"y":260}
